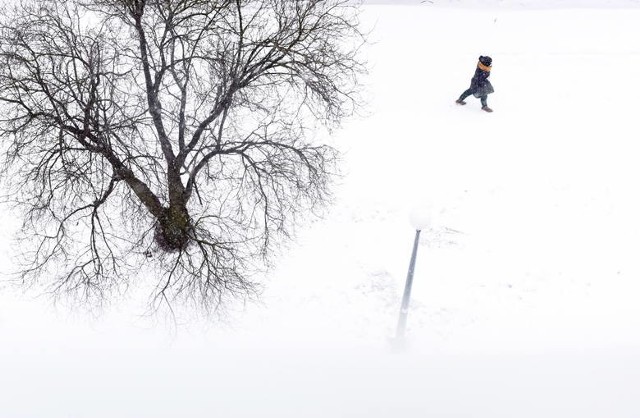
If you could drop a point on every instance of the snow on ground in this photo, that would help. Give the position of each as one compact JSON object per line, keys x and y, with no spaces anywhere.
{"x":526,"y":284}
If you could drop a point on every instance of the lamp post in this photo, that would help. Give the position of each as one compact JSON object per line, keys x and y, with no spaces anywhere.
{"x":420,"y":218}
{"x":406,"y":297}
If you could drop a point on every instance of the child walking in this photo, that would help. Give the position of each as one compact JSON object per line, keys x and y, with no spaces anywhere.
{"x":480,"y":85}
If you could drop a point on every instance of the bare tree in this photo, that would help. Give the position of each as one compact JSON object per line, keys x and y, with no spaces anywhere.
{"x":170,"y":136}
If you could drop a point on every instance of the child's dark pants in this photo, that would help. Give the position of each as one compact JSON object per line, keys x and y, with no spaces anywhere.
{"x":469,"y":92}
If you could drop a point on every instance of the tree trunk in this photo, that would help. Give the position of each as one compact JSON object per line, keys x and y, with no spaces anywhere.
{"x":173,"y":228}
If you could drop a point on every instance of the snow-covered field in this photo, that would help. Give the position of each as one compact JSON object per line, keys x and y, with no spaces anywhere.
{"x":526,"y":286}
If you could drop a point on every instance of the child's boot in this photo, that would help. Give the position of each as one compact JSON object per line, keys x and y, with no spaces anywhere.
{"x":487,"y":109}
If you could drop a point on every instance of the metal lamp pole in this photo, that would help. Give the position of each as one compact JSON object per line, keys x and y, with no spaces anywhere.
{"x":404,"y":309}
